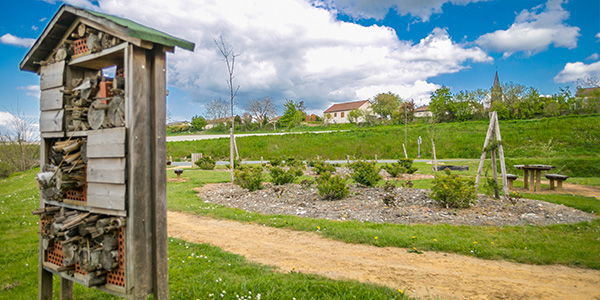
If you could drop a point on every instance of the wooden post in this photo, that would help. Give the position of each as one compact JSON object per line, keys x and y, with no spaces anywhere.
{"x":532,"y":180}
{"x":160,"y":276}
{"x":375,"y":157}
{"x":525,"y":179}
{"x":66,"y":289}
{"x":261,"y":160}
{"x":495,"y":173}
{"x":237,"y":154}
{"x":348,"y":159}
{"x":488,"y":137}
{"x":435,"y":166}
{"x":405,"y":155}
{"x":538,"y":179}
{"x":501,"y":153}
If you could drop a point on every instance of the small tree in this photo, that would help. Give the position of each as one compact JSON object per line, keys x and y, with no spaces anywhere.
{"x":261,"y":109}
{"x":293,"y":114}
{"x":198,"y":122}
{"x":17,"y":153}
{"x":229,"y":58}
{"x":355,"y":115}
{"x":385,"y":104}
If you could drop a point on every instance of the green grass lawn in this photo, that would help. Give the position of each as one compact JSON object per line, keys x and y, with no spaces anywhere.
{"x":574,"y":244}
{"x":195,"y":271}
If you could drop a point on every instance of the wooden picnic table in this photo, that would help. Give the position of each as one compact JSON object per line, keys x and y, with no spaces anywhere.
{"x":532,"y":175}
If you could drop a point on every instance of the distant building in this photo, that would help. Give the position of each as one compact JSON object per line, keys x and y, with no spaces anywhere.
{"x":338,"y":113}
{"x":496,"y":92}
{"x":422,"y":112}
{"x":586,"y":92}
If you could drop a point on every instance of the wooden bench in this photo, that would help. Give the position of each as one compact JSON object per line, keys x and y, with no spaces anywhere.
{"x":510,"y":178}
{"x":558,"y":178}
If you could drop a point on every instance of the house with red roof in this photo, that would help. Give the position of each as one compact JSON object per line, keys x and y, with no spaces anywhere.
{"x":338,"y":113}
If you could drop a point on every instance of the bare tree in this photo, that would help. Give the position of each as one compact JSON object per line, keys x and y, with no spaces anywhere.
{"x":261,"y":109}
{"x":217,"y":109}
{"x":229,"y":57}
{"x":18,"y":153}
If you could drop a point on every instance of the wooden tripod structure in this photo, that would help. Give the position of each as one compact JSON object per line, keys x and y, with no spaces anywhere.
{"x":493,"y":136}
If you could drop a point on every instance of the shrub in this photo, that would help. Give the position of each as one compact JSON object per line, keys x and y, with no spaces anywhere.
{"x":365,"y":173}
{"x":394,"y":169}
{"x":321,"y":167}
{"x":249,"y":178}
{"x":332,"y":187}
{"x":281,"y":176}
{"x":237,"y":164}
{"x":206,"y":163}
{"x":404,"y":165}
{"x":407,"y":164}
{"x":452,"y":191}
{"x":276,"y":161}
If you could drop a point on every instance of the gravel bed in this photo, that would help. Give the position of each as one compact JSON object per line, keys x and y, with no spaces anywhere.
{"x":410,"y":206}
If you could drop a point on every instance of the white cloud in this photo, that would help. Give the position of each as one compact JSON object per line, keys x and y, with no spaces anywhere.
{"x":594,"y":56}
{"x":377,"y":9}
{"x":598,"y":36}
{"x":292,"y":49}
{"x":573,"y":72}
{"x":10,"y":39}
{"x":6,"y":118}
{"x":31,"y":90}
{"x":534,"y":31}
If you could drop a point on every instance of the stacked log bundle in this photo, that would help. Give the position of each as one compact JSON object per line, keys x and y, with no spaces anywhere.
{"x":89,"y":242}
{"x":65,"y":174}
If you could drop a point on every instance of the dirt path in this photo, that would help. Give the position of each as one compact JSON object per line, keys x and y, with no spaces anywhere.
{"x":431,"y":274}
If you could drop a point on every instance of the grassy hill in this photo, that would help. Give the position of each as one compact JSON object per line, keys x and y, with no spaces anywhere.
{"x":559,"y":141}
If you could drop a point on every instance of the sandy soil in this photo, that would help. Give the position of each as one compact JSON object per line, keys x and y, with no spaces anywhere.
{"x":427,"y":275}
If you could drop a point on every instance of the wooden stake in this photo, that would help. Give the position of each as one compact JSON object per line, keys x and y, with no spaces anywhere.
{"x":488,"y":137}
{"x":405,"y":155}
{"x":435,"y":166}
{"x":501,"y":153}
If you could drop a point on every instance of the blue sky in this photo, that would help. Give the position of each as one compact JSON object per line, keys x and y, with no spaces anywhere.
{"x":327,"y":51}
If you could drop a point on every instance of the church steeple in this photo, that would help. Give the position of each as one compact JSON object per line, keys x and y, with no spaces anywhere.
{"x":496,"y":92}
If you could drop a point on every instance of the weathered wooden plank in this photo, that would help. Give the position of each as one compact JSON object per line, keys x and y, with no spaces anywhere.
{"x":138,"y":263}
{"x":106,"y":195}
{"x":52,"y":120}
{"x":106,"y":170}
{"x":51,"y":99}
{"x":161,"y":269}
{"x":106,"y":143}
{"x":52,"y":75}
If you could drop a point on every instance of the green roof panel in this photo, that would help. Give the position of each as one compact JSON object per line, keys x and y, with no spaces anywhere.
{"x":146,"y":33}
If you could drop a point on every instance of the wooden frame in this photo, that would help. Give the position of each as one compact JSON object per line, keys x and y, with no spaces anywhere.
{"x":126,"y":168}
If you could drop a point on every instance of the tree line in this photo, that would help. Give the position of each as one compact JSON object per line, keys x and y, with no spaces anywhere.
{"x":516,"y":102}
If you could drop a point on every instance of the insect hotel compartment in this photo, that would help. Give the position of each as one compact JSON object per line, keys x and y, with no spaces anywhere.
{"x":85,"y":246}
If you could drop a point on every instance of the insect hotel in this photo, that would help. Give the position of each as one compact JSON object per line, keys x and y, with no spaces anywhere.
{"x":102,"y":179}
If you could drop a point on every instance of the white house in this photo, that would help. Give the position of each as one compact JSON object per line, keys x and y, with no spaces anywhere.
{"x":338,"y":113}
{"x":423,"y":111}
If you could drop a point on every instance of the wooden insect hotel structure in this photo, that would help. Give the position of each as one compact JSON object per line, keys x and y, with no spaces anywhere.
{"x":102,"y":179}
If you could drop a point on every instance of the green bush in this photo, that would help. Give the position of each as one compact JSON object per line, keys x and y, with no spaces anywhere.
{"x":178,"y":128}
{"x":206,"y":163}
{"x":5,"y":170}
{"x":403,"y":166}
{"x":365,"y":173}
{"x":332,"y":187}
{"x":249,"y":178}
{"x":452,"y":191}
{"x":321,"y":167}
{"x":281,"y":176}
{"x":276,"y":161}
{"x":407,"y":164}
